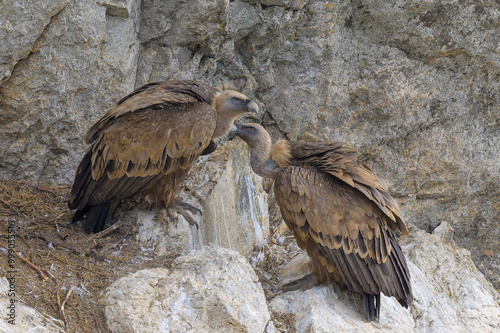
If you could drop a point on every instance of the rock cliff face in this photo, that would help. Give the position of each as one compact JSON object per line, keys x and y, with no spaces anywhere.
{"x":413,"y":85}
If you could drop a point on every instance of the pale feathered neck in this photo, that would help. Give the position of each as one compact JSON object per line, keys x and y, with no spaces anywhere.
{"x":266,"y":160}
{"x":281,"y":153}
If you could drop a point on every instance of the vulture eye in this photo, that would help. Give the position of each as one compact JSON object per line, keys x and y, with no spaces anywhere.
{"x":252,"y":129}
{"x":235,"y":100}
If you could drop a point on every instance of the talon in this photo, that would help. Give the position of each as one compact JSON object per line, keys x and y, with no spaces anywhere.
{"x":186,"y":206}
{"x":182,"y":208}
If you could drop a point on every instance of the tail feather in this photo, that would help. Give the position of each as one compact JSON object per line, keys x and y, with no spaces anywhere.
{"x":403,"y":273}
{"x":372,"y":306}
{"x":79,"y":214}
{"x":96,"y":218}
{"x":82,"y":178}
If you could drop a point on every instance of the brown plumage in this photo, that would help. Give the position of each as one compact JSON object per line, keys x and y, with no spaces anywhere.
{"x":339,"y":211}
{"x":147,"y":144}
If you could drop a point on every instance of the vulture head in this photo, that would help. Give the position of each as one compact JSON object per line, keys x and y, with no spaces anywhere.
{"x":228,"y":105}
{"x":264,"y":159}
{"x":254,"y":135}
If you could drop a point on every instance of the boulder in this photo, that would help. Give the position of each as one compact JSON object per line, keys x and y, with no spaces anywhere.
{"x":208,"y":290}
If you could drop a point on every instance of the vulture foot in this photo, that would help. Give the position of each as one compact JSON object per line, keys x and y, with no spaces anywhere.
{"x":186,"y":206}
{"x":182,"y":208}
{"x":304,"y":283}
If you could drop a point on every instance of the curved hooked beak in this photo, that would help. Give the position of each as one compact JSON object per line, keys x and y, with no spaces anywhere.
{"x":252,"y":111}
{"x":252,"y":107}
{"x":235,"y":128}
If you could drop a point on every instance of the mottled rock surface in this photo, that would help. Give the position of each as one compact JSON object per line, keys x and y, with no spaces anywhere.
{"x":208,"y":290}
{"x":22,"y":23}
{"x":85,"y":59}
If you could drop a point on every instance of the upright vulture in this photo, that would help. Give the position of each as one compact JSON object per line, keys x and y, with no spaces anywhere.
{"x":147,"y":143}
{"x":339,"y":211}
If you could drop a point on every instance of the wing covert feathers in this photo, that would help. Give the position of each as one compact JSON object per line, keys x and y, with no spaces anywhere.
{"x":159,"y":129}
{"x":333,"y":214}
{"x":154,"y":94}
{"x":153,"y":141}
{"x":346,"y":232}
{"x":340,"y":161}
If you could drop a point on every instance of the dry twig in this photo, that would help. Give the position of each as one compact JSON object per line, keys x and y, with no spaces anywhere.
{"x":95,"y":320}
{"x":36,"y":268}
{"x":61,"y":306}
{"x":67,"y":296}
{"x":105,"y":232}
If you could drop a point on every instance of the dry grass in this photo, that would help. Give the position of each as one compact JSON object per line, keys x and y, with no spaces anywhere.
{"x":78,"y":266}
{"x":284,"y":322}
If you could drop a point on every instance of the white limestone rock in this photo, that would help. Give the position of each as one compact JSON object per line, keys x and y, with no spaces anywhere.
{"x":208,"y":290}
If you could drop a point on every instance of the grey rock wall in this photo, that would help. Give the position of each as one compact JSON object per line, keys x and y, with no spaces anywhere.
{"x":83,"y":59}
{"x":413,"y":85}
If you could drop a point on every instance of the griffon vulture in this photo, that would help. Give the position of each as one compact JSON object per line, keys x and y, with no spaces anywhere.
{"x":147,"y":143}
{"x":339,"y":211}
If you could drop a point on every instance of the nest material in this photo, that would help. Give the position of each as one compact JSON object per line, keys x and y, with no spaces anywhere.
{"x":78,"y":267}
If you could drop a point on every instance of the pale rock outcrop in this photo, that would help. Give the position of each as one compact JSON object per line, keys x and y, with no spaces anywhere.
{"x":444,"y":232}
{"x":232,"y":201}
{"x":216,"y":289}
{"x":450,"y":294}
{"x":208,"y":290}
{"x":162,"y":236}
{"x":236,"y":213}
